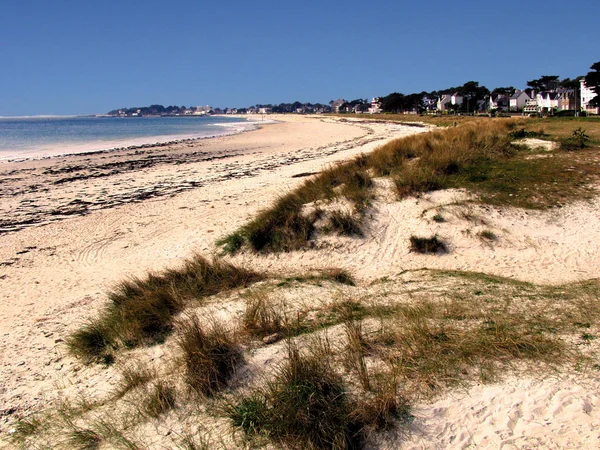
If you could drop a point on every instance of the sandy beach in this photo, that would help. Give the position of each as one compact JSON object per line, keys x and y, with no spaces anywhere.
{"x":72,"y":227}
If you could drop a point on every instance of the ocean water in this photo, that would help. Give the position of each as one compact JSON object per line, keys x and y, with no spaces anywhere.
{"x":34,"y":137}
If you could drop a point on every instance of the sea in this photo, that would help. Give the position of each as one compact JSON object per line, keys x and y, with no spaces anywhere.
{"x":41,"y":137}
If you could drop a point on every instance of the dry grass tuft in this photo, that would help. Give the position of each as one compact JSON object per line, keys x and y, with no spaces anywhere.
{"x":427,"y":245}
{"x":209,"y":357}
{"x":159,"y":399}
{"x":305,"y":406}
{"x":262,"y":317}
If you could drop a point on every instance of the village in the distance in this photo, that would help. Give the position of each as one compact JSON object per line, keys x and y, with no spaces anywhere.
{"x":546,"y":96}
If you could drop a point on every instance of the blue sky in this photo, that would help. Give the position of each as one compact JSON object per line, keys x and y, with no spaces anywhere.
{"x":79,"y":57}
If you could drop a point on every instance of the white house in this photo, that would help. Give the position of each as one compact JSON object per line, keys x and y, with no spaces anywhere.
{"x":445,"y":100}
{"x":586,"y":95}
{"x":547,"y":101}
{"x":499,"y":101}
{"x":375,"y":106}
{"x":518,"y":100}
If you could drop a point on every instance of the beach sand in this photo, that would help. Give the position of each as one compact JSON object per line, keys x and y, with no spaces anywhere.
{"x":72,"y":227}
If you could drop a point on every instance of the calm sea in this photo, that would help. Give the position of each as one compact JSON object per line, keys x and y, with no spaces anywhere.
{"x":33,"y":137}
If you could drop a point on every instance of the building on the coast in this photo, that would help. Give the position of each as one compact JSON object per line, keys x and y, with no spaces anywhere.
{"x":265,"y":110}
{"x":445,"y":100}
{"x":547,"y":101}
{"x":202,"y":110}
{"x":567,"y":100}
{"x":518,"y":100}
{"x":337,"y":104}
{"x":586,"y":95}
{"x":375,"y":107}
{"x":429,"y":104}
{"x":499,"y":101}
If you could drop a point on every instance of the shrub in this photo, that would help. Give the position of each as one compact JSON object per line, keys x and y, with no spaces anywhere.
{"x":578,"y":140}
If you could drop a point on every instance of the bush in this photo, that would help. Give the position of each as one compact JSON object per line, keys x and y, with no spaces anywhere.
{"x":577,"y":141}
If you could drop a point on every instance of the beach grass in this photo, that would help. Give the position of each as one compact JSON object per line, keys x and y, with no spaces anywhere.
{"x":141,"y":311}
{"x":209,"y":356}
{"x":479,"y":154}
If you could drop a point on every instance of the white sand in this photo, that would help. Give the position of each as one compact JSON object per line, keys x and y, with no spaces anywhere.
{"x":54,"y":273}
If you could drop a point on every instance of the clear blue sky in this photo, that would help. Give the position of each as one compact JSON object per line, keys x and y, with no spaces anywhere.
{"x":78,"y":56}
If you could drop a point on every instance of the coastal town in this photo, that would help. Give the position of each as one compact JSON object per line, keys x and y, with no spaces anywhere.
{"x":547,"y":96}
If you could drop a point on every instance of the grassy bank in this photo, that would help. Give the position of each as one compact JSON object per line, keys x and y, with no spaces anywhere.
{"x":481,"y":155}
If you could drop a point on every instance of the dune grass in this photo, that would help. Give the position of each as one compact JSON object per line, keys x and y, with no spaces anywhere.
{"x":284,"y":226}
{"x":479,"y":155}
{"x":209,"y":357}
{"x":395,"y":342}
{"x":141,"y":311}
{"x":304,"y":406}
{"x":433,"y":245}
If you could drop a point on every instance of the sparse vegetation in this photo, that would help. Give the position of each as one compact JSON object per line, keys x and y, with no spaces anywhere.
{"x":134,"y":376}
{"x":405,"y":339}
{"x":345,"y":223}
{"x":305,"y":406}
{"x":262,"y":317}
{"x":488,"y":235}
{"x":159,"y":399}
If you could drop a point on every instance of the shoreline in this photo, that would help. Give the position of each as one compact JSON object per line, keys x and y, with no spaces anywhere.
{"x":88,"y":221}
{"x":132,"y":143}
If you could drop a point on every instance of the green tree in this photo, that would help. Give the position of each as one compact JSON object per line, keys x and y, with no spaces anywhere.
{"x":567,"y":83}
{"x":592,"y":80}
{"x":544,"y":83}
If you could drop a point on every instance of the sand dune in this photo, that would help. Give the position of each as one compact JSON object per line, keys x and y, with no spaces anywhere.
{"x":72,"y":227}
